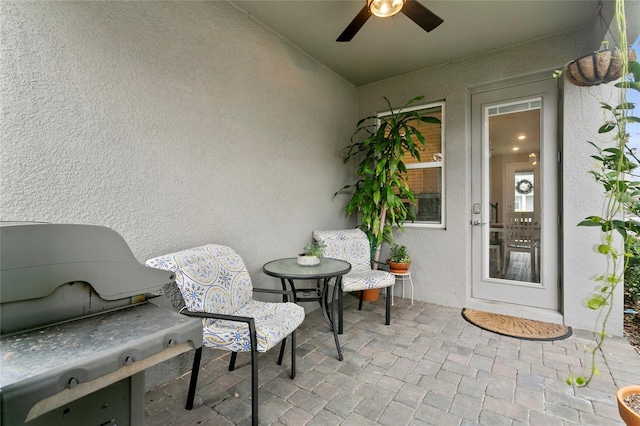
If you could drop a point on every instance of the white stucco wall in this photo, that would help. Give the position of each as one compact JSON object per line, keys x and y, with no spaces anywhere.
{"x":583,"y":197}
{"x":174,"y":123}
{"x":441,"y":258}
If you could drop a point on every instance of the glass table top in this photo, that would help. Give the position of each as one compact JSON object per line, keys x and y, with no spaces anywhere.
{"x":289,"y":268}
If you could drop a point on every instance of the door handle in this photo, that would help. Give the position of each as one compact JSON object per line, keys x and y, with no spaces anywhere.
{"x":477,"y":222}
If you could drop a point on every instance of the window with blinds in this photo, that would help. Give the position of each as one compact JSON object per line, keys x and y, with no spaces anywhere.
{"x":426,"y":175}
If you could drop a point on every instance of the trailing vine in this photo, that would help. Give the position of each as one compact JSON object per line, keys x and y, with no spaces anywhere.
{"x":616,"y":165}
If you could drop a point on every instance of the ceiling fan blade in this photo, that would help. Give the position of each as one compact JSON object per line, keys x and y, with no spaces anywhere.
{"x":421,"y":15}
{"x":355,"y":25}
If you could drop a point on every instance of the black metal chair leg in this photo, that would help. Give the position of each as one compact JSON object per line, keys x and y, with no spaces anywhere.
{"x":293,"y":354}
{"x":254,"y":375}
{"x":282,"y":346}
{"x":194,"y":378}
{"x":361,"y":297}
{"x":340,"y":307}
{"x":232,"y":361}
{"x":387,"y":314}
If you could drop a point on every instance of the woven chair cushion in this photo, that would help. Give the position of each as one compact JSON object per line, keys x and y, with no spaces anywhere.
{"x":367,"y":280}
{"x":274,"y":322}
{"x":221,"y":285}
{"x":175,"y":261}
{"x":352,"y":245}
{"x":214,"y":279}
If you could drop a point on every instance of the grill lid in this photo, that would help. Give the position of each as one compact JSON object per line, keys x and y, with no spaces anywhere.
{"x":37,"y":258}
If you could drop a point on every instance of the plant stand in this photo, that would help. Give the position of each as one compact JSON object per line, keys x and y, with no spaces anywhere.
{"x":402,"y":276}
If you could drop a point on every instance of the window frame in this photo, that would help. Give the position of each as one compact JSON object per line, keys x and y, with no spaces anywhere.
{"x":428,"y":165}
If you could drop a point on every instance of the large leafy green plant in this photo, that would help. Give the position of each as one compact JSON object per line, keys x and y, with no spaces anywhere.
{"x":379,"y":145}
{"x":616,"y":172}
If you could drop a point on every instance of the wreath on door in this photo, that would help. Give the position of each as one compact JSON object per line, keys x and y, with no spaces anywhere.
{"x":524,"y":186}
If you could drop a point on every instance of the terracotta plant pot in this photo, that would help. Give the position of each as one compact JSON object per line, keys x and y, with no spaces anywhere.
{"x":398,"y":268}
{"x":630,"y":417}
{"x":370,"y":295}
{"x":596,"y":68}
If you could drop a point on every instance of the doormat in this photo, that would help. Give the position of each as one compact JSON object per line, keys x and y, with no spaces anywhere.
{"x":520,"y":328}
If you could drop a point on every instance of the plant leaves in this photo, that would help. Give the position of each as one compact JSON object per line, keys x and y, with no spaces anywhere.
{"x":596,"y":302}
{"x":606,"y":127}
{"x":625,"y":106}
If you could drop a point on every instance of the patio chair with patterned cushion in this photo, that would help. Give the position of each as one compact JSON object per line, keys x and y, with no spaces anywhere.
{"x":352,"y":245}
{"x":215,"y":285}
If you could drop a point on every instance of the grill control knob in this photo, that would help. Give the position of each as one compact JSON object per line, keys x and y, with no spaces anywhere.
{"x":72,"y":383}
{"x":128,"y":361}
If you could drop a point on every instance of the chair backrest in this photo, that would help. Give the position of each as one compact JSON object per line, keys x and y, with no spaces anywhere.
{"x":521,"y":228}
{"x":211,"y":278}
{"x":350,"y":245}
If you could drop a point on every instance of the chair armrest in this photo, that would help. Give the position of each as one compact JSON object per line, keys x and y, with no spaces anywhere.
{"x":383,"y":264}
{"x":251,"y":323}
{"x":236,"y":318}
{"x":287,"y":293}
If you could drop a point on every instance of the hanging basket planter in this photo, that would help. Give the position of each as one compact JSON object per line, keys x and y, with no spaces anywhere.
{"x":599,"y":67}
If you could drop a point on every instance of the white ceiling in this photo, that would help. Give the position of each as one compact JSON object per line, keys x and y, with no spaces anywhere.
{"x":388,"y":47}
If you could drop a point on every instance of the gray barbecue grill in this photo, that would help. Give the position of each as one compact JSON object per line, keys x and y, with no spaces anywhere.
{"x":79,"y":326}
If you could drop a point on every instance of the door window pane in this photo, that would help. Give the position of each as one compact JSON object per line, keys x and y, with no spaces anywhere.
{"x":513,"y":237}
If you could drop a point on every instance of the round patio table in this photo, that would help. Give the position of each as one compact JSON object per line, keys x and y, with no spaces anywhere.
{"x":288,"y":270}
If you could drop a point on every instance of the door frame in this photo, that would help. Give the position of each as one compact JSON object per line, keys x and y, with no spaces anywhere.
{"x":551,"y":199}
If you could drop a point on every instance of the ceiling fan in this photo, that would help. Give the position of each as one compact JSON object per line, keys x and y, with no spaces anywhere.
{"x":386,"y":8}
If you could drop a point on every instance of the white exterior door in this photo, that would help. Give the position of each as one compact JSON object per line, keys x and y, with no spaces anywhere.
{"x":514,"y":186}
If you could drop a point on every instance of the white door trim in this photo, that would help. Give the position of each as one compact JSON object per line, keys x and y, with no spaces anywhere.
{"x":550,"y":301}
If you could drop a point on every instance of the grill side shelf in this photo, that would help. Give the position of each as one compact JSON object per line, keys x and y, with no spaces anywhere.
{"x":60,"y":363}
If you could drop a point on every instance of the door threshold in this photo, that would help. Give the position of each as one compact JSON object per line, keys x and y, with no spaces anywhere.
{"x":520,"y":311}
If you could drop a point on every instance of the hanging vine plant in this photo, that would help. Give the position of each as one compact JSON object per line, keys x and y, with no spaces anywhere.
{"x":617,"y":173}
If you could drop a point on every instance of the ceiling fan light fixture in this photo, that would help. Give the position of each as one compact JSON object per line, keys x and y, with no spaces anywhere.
{"x":412,"y":9}
{"x":385,"y":8}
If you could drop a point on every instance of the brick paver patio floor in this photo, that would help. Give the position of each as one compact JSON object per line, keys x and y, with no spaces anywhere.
{"x":429,"y":367}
